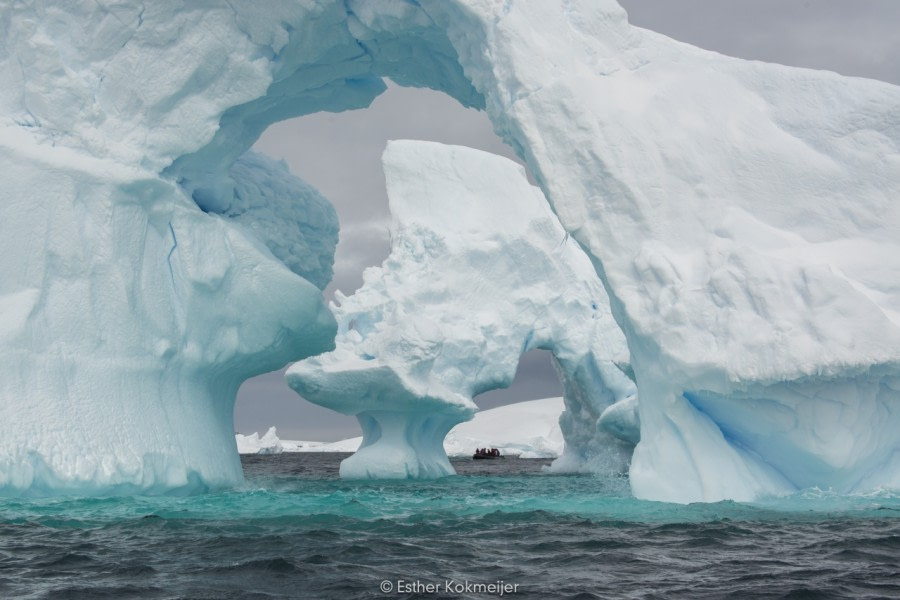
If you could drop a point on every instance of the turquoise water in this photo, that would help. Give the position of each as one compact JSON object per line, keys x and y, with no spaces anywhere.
{"x":297,"y":531}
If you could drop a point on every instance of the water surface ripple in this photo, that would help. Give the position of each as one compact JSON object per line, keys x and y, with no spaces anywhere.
{"x":296,"y":531}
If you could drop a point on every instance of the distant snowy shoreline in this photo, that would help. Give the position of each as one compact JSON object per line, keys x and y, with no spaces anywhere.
{"x":526,"y":429}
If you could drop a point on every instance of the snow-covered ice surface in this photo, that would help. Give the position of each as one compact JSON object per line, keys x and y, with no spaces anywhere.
{"x":743,"y":218}
{"x":347,"y":445}
{"x":480,"y":272}
{"x":130,"y":316}
{"x":270,"y":443}
{"x":527,"y":429}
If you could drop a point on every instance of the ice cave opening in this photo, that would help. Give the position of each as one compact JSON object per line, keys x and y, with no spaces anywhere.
{"x":535,"y":378}
{"x":600,"y":430}
{"x":339,"y":153}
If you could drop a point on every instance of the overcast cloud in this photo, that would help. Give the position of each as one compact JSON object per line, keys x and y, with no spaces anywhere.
{"x":340,"y":153}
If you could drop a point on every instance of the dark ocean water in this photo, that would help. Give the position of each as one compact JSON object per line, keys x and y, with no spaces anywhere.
{"x":296,"y":531}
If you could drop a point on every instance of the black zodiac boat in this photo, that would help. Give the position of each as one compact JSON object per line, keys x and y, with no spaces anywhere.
{"x":487,"y":454}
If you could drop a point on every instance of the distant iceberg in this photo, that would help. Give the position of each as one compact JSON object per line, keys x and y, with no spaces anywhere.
{"x":254,"y":444}
{"x":527,"y":429}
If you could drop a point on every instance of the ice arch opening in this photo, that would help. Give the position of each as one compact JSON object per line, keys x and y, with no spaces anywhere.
{"x":340,"y":155}
{"x":599,"y":428}
{"x":535,"y":378}
{"x":522,"y":419}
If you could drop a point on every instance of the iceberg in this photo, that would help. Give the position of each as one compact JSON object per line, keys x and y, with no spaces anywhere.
{"x":741,"y":216}
{"x":348,"y":445}
{"x":622,"y":420}
{"x":269,"y":443}
{"x":130,"y":316}
{"x":480,"y":272}
{"x":528,"y":429}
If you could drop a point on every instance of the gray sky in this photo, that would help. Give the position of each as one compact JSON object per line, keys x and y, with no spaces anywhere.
{"x":340,"y":153}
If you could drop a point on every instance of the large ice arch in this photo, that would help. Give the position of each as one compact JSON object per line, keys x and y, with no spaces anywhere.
{"x":742,"y":216}
{"x":480,"y":272}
